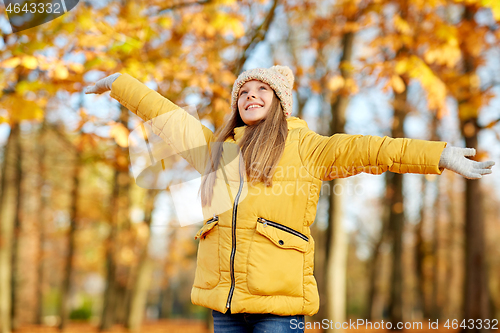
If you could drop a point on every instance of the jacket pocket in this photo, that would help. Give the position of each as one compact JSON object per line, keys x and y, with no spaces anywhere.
{"x":207,"y":260}
{"x":276,"y":260}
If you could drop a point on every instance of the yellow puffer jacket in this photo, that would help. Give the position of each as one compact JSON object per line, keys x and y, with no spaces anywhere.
{"x":257,"y":254}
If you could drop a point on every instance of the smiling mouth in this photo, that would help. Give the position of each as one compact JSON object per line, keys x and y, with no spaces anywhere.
{"x":254,"y":106}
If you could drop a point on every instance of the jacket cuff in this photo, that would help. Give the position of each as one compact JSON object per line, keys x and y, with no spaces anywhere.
{"x":433,"y":153}
{"x":129,"y":91}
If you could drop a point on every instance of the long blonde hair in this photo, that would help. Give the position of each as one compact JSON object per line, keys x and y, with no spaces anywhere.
{"x":261,"y":146}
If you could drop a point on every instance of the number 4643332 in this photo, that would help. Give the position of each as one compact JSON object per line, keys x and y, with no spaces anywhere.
{"x":472,"y":324}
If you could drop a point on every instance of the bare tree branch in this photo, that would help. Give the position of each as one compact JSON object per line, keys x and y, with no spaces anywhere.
{"x":184,"y":4}
{"x":490,"y":124}
{"x":258,"y":36}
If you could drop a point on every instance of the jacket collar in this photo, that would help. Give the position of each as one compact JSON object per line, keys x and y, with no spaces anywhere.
{"x":293,"y":122}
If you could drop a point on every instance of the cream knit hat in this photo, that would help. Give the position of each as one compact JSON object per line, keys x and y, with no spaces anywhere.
{"x":279,"y":78}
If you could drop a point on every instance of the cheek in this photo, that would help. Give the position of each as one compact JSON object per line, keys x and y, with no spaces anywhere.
{"x":269,"y":101}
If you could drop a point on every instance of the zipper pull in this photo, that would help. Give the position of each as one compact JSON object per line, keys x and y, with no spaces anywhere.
{"x":213,"y":219}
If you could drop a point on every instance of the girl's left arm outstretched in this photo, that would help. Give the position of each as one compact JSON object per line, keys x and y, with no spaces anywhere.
{"x":344,"y":155}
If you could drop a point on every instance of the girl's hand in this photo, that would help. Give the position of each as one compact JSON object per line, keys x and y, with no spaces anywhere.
{"x":102,"y":85}
{"x":453,"y":158}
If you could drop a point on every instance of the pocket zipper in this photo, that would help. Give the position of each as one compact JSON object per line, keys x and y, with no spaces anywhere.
{"x":282,"y":227}
{"x":213,"y":219}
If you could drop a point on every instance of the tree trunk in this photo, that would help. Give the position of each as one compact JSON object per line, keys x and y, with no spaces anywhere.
{"x":6,"y":230}
{"x":17,"y":228}
{"x":336,"y":243}
{"x":167,"y":295}
{"x":124,"y":279}
{"x":65,"y":291}
{"x":396,"y":222}
{"x":453,"y":309}
{"x":420,"y":256}
{"x":337,"y":259}
{"x":144,"y":271}
{"x":437,"y":262}
{"x":421,"y":251}
{"x":374,"y":267}
{"x":476,"y":299}
{"x":41,"y":219}
{"x":140,"y":293}
{"x":395,"y":188}
{"x":396,"y":209}
{"x":117,"y":293}
{"x":108,"y":310}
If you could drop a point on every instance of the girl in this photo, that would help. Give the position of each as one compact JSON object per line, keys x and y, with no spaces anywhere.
{"x":256,"y":254}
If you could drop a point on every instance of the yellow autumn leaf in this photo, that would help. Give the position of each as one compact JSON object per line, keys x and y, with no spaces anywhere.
{"x":430,"y":56}
{"x":76,"y":67}
{"x":351,"y":27}
{"x":451,"y":54}
{"x":351,"y":86}
{"x":30,"y":62}
{"x":475,"y":81}
{"x":11,"y":63}
{"x":316,"y":87}
{"x":61,"y":72}
{"x":237,"y":29}
{"x":227,"y":77}
{"x":20,"y":108}
{"x":401,"y":66}
{"x":44,"y":64}
{"x":436,"y":89}
{"x":165,"y":22}
{"x":85,"y":20}
{"x":398,"y":84}
{"x":401,"y":25}
{"x":335,"y":83}
{"x":120,"y":134}
{"x":467,"y":111}
{"x":494,"y":5}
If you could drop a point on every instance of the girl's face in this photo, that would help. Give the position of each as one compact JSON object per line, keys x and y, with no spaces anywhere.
{"x":254,"y":101}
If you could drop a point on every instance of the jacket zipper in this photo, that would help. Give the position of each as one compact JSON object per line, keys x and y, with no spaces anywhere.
{"x":233,"y":237}
{"x":283,"y":227}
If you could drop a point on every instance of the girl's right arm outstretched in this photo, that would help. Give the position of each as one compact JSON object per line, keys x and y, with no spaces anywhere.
{"x":182,"y":131}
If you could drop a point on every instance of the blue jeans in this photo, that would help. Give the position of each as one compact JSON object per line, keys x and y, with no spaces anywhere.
{"x":256,"y":323}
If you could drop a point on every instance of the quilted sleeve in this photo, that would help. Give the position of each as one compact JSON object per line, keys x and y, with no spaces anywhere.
{"x":344,"y":155}
{"x":188,"y":137}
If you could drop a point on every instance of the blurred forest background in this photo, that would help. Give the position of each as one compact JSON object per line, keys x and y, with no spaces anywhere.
{"x":81,"y":242}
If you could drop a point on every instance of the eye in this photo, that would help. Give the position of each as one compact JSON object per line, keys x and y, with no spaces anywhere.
{"x":241,"y":93}
{"x":263,"y":87}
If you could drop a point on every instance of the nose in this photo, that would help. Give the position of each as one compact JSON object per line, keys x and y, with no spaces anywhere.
{"x":251,"y":94}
